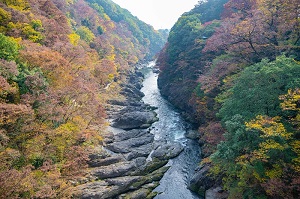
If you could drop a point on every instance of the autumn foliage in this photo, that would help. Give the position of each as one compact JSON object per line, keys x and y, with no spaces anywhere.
{"x":233,"y":68}
{"x":57,"y":59}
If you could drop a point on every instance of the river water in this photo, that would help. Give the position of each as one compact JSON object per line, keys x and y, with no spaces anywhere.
{"x":171,"y":128}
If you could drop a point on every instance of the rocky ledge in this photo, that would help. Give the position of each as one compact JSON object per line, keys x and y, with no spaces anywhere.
{"x":130,"y":163}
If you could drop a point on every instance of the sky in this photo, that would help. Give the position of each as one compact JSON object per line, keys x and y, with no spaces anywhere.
{"x":161,"y":14}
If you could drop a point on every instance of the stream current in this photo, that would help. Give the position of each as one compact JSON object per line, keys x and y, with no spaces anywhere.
{"x":171,"y":128}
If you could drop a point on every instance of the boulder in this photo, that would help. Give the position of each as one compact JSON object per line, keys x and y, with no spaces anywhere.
{"x":135,"y":120}
{"x":201,"y":181}
{"x":128,"y":145}
{"x":167,"y":151}
{"x":117,"y":102}
{"x":142,"y":151}
{"x":113,"y":170}
{"x":216,"y":193}
{"x":125,"y":135}
{"x":97,"y":162}
{"x":192,"y":134}
{"x":110,"y":188}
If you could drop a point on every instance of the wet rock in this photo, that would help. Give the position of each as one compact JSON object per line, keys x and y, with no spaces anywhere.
{"x":125,"y":135}
{"x":114,"y":170}
{"x":192,"y":134}
{"x":142,"y":151}
{"x":151,"y":177}
{"x":216,"y":193}
{"x":97,"y":162}
{"x":131,"y":92}
{"x":118,"y":102}
{"x":167,"y":151}
{"x":139,"y":194}
{"x":106,"y":189}
{"x":128,"y":145}
{"x":200,"y":181}
{"x":134,"y":120}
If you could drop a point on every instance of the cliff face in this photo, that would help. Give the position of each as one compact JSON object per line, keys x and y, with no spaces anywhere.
{"x":60,"y":61}
{"x":182,"y":61}
{"x":223,"y":66}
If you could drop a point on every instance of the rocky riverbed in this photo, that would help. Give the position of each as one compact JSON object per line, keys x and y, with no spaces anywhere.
{"x":130,"y":163}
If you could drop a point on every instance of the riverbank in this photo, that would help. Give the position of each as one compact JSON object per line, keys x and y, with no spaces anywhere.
{"x":131,"y":162}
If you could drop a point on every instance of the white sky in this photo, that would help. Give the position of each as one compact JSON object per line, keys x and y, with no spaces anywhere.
{"x":161,"y":14}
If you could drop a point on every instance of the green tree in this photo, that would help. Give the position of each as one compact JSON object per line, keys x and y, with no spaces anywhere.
{"x":9,"y":48}
{"x":257,"y":89}
{"x":85,"y":34}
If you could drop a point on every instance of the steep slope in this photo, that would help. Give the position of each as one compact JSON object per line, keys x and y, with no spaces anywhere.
{"x":59,"y":63}
{"x":182,"y":60}
{"x":233,"y":68}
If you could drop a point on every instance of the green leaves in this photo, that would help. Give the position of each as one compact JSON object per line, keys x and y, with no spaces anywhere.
{"x":85,"y":34}
{"x":257,"y":89}
{"x":9,"y":48}
{"x":261,"y":153}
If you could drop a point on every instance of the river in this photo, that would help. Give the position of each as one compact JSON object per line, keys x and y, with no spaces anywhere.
{"x":171,"y":128}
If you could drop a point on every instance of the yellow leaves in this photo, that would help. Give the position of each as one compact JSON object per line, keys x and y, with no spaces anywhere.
{"x":70,"y":2}
{"x":30,"y":31}
{"x":263,"y":152}
{"x":275,"y":172}
{"x":296,"y":161}
{"x":106,"y":17}
{"x":4,"y":15}
{"x":258,"y":177}
{"x":290,"y":100}
{"x":111,"y":57}
{"x":269,"y":127}
{"x":21,"y":5}
{"x":74,"y":39}
{"x":85,"y":34}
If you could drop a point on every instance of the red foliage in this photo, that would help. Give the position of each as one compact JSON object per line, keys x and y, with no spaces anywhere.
{"x":212,"y":133}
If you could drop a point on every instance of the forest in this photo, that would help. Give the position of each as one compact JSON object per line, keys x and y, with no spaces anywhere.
{"x":233,"y":68}
{"x":60,"y":61}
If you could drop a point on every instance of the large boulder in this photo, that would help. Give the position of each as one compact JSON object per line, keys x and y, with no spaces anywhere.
{"x":109,"y":188}
{"x":201,"y":181}
{"x":135,"y":120}
{"x":128,"y":145}
{"x":167,"y":151}
{"x":216,"y":193}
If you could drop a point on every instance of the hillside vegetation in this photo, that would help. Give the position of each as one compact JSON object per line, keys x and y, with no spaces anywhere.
{"x":60,"y":60}
{"x":233,"y":67}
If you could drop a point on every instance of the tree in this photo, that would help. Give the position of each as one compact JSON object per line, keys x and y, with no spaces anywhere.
{"x":85,"y":34}
{"x":9,"y":48}
{"x":257,"y":89}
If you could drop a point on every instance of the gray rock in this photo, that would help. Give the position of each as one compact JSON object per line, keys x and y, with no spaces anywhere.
{"x":128,"y":145}
{"x":134,"y":120}
{"x":142,"y":151}
{"x":216,"y":193}
{"x":201,"y":181}
{"x":167,"y":151}
{"x":192,"y":134}
{"x":138,"y":194}
{"x":97,"y":162}
{"x":106,"y":189}
{"x":114,"y":170}
{"x":118,"y":102}
{"x":125,"y":135}
{"x":131,"y":92}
